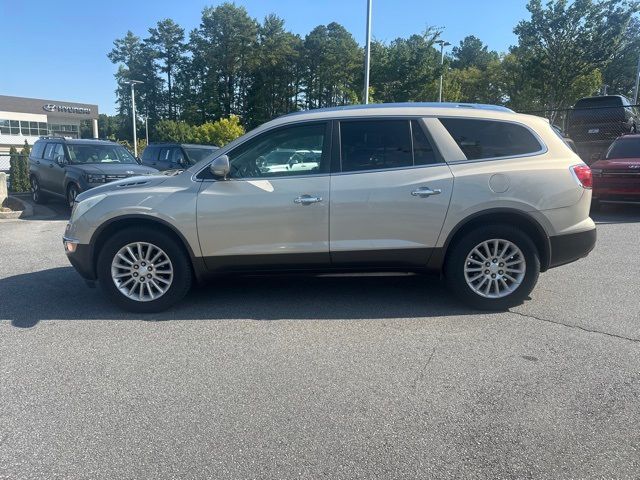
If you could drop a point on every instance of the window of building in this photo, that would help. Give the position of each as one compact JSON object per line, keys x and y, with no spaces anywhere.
{"x":4,"y":127}
{"x":479,"y":139}
{"x":375,"y":144}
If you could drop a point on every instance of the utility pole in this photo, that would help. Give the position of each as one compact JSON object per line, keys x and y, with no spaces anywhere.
{"x":367,"y":54}
{"x":635,"y":90}
{"x":146,"y":127}
{"x":133,"y":83}
{"x":442,"y":44}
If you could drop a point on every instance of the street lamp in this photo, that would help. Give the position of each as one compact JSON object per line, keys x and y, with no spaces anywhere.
{"x":133,"y":83}
{"x":442,"y":44}
{"x":367,"y":54}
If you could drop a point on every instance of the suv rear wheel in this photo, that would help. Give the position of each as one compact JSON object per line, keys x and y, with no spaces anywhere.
{"x":144,"y":270}
{"x":72,"y":192}
{"x":493,"y":267}
{"x":36,"y":193}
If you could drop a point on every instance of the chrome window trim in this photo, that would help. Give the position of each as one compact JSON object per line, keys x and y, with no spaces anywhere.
{"x":543,"y":146}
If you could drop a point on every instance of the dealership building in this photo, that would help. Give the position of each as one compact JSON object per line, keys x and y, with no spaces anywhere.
{"x":31,"y":118}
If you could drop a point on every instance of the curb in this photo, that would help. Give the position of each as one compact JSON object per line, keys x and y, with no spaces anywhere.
{"x":27,"y":210}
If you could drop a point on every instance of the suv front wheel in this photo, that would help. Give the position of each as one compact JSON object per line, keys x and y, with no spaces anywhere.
{"x":493,"y":267}
{"x":143,"y":270}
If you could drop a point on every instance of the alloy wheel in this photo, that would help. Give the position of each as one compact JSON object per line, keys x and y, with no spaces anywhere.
{"x":142,"y":271}
{"x":495,"y":268}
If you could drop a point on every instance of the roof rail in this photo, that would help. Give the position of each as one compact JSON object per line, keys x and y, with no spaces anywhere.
{"x":52,"y":137}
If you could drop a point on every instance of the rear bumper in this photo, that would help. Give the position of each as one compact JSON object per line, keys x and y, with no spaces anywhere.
{"x":569,"y":248}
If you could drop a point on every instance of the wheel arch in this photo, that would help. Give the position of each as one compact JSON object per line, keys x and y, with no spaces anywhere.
{"x":113,"y":225}
{"x":505,"y":216}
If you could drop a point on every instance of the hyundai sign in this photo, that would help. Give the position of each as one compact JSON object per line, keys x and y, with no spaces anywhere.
{"x":52,"y":107}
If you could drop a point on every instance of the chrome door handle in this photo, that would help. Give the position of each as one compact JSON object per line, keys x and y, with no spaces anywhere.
{"x":307,"y":200}
{"x":423,"y":192}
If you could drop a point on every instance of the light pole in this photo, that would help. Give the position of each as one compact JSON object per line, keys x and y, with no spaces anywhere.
{"x":635,"y":90}
{"x":133,"y":83}
{"x":367,"y":54}
{"x":146,"y":127}
{"x":442,"y":44}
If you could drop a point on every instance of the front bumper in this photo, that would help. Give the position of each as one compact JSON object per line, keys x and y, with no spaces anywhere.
{"x":571,"y":247}
{"x":80,"y":257}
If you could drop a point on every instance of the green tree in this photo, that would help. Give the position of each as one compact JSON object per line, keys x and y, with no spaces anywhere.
{"x":173,"y":131}
{"x":15,"y":172}
{"x":166,"y":41}
{"x":276,"y":80}
{"x":564,"y":43}
{"x":223,"y":51}
{"x":472,"y":52}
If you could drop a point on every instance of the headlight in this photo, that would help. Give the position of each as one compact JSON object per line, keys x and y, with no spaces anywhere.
{"x":81,"y":208}
{"x":95,"y":177}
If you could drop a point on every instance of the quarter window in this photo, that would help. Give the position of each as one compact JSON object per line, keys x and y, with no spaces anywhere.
{"x":480,"y":139}
{"x":288,"y":151}
{"x":374,"y":145}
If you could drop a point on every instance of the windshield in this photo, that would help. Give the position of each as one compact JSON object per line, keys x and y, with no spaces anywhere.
{"x":599,"y":102}
{"x":625,"y":148}
{"x":197,"y":154}
{"x":99,"y":154}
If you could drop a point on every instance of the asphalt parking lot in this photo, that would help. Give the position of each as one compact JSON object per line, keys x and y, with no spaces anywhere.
{"x":351,"y":377}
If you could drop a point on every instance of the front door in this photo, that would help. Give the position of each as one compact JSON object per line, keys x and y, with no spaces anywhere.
{"x":390,"y":198}
{"x":267,"y":214}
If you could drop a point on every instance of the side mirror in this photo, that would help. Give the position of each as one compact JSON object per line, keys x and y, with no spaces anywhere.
{"x":220,"y":167}
{"x":60,"y":160}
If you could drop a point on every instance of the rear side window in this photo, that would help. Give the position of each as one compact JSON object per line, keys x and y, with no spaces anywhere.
{"x":38,"y":150}
{"x":482,"y":139}
{"x":373,"y":145}
{"x":423,"y":153}
{"x":48,"y":151}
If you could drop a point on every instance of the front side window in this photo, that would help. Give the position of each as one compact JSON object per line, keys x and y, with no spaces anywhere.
{"x":88,"y":153}
{"x":288,"y":151}
{"x":375,"y":144}
{"x":482,"y":139}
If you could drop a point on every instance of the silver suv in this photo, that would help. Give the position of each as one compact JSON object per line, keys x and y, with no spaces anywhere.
{"x":485,"y":196}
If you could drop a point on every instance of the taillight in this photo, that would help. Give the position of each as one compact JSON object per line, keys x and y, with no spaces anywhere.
{"x":582,"y":174}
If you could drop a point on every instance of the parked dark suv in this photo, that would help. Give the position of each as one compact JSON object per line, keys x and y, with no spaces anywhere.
{"x":595,"y":122}
{"x":174,"y":156}
{"x":65,"y":168}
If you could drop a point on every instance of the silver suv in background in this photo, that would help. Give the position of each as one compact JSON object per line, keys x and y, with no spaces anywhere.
{"x":487,"y":197}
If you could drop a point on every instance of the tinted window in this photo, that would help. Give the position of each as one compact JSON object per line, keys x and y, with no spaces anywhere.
{"x":150,"y":154}
{"x":480,"y":139}
{"x":372,"y":145}
{"x":48,"y":151}
{"x":599,"y":102}
{"x":625,"y":148}
{"x":196,"y":154}
{"x":38,"y":150}
{"x":423,"y":153}
{"x":58,"y":151}
{"x":284,"y":152}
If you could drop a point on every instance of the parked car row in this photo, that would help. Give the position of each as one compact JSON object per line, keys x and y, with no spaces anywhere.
{"x":484,"y":196}
{"x":64,"y":168}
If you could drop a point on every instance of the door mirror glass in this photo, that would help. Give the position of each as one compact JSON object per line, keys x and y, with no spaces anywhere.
{"x":220,"y":167}
{"x":60,"y":160}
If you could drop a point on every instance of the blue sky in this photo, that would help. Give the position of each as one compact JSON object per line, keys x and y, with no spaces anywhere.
{"x":57,"y":50}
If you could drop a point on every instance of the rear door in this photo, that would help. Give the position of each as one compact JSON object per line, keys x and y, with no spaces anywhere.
{"x":150,"y":156}
{"x":390,"y":196}
{"x":46,"y":168}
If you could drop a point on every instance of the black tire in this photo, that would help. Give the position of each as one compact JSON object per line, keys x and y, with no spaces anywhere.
{"x":72,"y":192}
{"x":182,"y":273}
{"x":457,"y":258}
{"x":36,"y":193}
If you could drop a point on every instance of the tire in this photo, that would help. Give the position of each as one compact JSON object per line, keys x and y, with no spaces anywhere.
{"x":179,"y":282}
{"x":72,"y":192}
{"x":36,"y":193}
{"x":516,"y":286}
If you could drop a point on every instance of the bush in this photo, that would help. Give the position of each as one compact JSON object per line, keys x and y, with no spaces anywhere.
{"x":19,"y":170}
{"x":217,"y":133}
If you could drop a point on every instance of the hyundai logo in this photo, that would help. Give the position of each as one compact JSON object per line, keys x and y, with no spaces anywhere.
{"x":52,"y":107}
{"x":49,"y":107}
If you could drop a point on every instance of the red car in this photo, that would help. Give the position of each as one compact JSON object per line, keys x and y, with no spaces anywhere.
{"x":616,"y":178}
